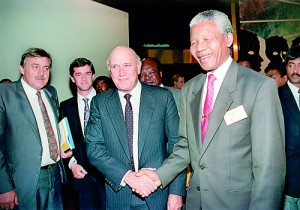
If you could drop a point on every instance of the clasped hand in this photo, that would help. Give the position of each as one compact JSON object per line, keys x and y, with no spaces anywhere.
{"x":143,"y":182}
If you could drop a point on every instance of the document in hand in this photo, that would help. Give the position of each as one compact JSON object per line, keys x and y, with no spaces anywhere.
{"x":67,"y":142}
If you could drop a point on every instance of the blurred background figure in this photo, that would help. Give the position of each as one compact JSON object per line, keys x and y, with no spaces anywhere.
{"x":244,"y":61}
{"x":5,"y":81}
{"x":178,"y":81}
{"x":151,"y":74}
{"x":277,"y":71}
{"x":249,"y":48}
{"x":296,"y":42}
{"x":102,"y":84}
{"x":276,"y":48}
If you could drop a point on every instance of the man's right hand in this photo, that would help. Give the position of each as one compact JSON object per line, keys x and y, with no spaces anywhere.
{"x":78,"y":171}
{"x":8,"y":200}
{"x":150,"y":172}
{"x":143,"y":185}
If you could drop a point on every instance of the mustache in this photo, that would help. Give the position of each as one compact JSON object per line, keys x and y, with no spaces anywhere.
{"x":296,"y":74}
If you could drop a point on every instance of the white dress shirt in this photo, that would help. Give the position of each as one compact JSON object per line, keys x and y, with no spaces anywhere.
{"x":81,"y":105}
{"x":219,"y":73}
{"x":294,"y":90}
{"x":33,"y":100}
{"x":135,"y":102}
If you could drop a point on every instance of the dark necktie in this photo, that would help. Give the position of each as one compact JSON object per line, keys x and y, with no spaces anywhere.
{"x":53,"y":148}
{"x":299,"y":97}
{"x":208,"y":105}
{"x":86,"y":113}
{"x":129,"y":127}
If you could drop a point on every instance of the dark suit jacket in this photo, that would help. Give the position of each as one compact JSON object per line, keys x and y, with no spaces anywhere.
{"x":292,"y":140}
{"x":20,"y":144}
{"x":107,"y":144}
{"x":240,"y":165}
{"x":69,"y":109}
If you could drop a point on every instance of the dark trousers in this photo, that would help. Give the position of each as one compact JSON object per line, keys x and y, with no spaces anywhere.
{"x":49,"y":190}
{"x":138,"y":203}
{"x":94,"y":199}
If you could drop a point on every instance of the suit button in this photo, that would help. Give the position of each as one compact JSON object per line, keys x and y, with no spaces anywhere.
{"x":202,"y":166}
{"x":198,"y":188}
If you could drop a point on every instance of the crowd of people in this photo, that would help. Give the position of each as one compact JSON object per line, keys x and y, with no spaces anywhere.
{"x":236,"y":130}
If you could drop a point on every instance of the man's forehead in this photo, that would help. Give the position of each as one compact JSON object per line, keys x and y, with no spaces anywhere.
{"x":296,"y":60}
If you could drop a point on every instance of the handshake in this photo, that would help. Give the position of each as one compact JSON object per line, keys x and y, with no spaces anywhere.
{"x":143,"y":182}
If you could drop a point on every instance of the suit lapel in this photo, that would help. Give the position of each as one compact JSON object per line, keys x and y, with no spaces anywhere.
{"x":147,"y":105}
{"x":115,"y":112}
{"x":222,"y":104}
{"x":291,"y":104}
{"x":195,"y":109}
{"x":27,"y":110}
{"x":73,"y":114}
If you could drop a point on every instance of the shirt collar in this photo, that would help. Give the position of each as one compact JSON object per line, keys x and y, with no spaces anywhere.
{"x":89,"y":96}
{"x":29,"y":90}
{"x":135,"y":92}
{"x":220,"y":72}
{"x":293,"y":88}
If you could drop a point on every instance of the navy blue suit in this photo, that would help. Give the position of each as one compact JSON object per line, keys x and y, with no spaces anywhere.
{"x":93,"y":179}
{"x":292,"y":141}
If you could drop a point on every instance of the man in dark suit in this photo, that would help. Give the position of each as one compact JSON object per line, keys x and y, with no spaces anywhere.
{"x":289,"y":97}
{"x":231,"y":128}
{"x":87,"y":182}
{"x":31,"y":171}
{"x":118,"y":149}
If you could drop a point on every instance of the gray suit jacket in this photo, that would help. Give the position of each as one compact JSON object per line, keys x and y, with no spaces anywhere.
{"x":107,"y":144}
{"x":20,"y":144}
{"x":241,"y":165}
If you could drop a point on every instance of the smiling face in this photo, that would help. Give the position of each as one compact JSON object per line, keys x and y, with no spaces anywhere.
{"x":83,"y":79}
{"x":150,"y":72}
{"x":124,"y":68}
{"x":36,"y":71}
{"x":209,"y":46}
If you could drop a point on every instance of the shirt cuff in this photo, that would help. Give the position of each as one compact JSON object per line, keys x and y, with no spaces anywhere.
{"x":123,"y":184}
{"x":72,"y":160}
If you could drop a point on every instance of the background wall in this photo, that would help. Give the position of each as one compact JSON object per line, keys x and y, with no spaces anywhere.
{"x":67,"y":29}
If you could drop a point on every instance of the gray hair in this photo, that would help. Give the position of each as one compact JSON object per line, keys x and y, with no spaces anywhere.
{"x":215,"y":16}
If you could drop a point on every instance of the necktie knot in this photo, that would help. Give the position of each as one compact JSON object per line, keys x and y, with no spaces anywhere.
{"x":127,"y":97}
{"x":86,"y":100}
{"x":211,"y":79}
{"x":38,"y":93}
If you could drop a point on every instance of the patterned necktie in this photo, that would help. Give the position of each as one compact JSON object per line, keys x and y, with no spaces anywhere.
{"x":129,"y":127}
{"x":53,"y":148}
{"x":208,"y":105}
{"x":86,"y":113}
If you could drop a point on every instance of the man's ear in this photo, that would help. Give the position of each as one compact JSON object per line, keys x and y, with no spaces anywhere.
{"x":72,"y":79}
{"x":229,"y":39}
{"x":22,"y":70}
